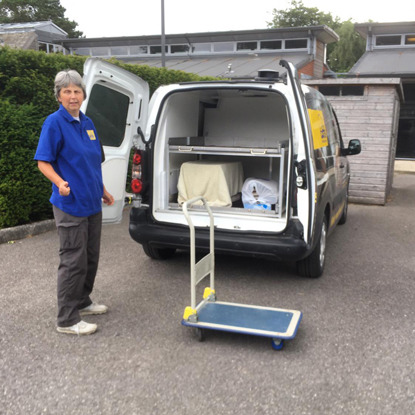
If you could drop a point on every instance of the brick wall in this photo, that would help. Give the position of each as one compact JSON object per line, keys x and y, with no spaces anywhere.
{"x":307,"y":69}
{"x":315,"y":68}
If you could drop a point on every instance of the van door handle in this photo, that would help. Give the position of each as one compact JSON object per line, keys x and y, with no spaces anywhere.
{"x":342,"y":166}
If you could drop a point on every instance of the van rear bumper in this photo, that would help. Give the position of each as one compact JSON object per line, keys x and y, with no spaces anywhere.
{"x":287,"y":246}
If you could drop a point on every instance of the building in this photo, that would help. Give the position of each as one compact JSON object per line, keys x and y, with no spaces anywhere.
{"x":33,"y":35}
{"x":390,"y":52}
{"x":370,"y":105}
{"x":375,"y":102}
{"x":235,"y":54}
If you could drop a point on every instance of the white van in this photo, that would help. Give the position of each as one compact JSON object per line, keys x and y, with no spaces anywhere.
{"x":266,"y":154}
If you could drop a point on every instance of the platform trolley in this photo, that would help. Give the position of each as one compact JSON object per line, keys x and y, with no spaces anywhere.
{"x":275,"y":323}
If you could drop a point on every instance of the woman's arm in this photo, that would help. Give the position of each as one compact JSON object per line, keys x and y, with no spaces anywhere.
{"x":50,"y":173}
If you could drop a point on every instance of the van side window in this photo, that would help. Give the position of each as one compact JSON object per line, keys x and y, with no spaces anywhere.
{"x":337,"y":127}
{"x":110,"y":124}
{"x":321,"y":129}
{"x":332,"y":130}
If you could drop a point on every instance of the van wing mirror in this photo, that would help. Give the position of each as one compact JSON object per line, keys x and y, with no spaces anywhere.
{"x":353,"y":148}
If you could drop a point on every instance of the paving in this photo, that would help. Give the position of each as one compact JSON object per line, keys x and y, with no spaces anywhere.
{"x":353,"y":353}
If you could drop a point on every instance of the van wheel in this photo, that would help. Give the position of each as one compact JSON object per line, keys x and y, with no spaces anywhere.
{"x":313,"y":265}
{"x":158,"y":253}
{"x":343,"y":218}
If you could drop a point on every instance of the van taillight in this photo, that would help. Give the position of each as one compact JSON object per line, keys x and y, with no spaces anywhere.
{"x":136,"y":174}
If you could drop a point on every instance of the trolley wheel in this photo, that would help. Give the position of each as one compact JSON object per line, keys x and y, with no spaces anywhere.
{"x":200,"y":333}
{"x":277,"y":344}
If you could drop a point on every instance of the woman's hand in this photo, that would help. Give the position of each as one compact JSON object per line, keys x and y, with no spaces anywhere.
{"x":64,"y":189}
{"x":49,"y":172}
{"x":107,"y":198}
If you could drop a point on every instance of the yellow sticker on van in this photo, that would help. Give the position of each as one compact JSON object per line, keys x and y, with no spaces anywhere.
{"x":318,"y":128}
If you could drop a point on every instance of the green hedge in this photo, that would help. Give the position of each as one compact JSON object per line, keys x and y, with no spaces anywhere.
{"x":26,"y":99}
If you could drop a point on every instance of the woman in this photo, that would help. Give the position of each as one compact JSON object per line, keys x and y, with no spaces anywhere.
{"x":69,"y":154}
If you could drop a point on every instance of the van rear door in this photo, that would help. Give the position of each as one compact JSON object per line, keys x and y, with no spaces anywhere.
{"x":306,"y":194}
{"x":117,"y":103}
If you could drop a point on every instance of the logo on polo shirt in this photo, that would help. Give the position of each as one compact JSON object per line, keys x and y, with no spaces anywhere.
{"x":91,"y":134}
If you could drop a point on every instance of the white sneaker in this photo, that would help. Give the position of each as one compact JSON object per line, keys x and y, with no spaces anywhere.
{"x":80,"y":328}
{"x":93,"y":309}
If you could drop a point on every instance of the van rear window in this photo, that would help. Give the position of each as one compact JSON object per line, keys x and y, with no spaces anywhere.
{"x":110,"y":124}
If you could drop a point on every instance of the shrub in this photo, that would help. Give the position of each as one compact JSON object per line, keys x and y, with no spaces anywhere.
{"x":26,"y":99}
{"x":23,"y":190}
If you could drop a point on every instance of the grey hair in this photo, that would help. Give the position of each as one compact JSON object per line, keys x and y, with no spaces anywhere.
{"x":64,"y":78}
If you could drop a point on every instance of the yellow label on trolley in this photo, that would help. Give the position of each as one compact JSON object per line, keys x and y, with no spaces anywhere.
{"x":318,"y":128}
{"x":189,"y":311}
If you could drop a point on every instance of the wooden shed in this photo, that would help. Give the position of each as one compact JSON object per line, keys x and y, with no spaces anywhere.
{"x":367,"y":109}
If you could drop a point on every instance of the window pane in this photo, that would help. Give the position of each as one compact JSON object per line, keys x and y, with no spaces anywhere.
{"x":81,"y":51}
{"x":271,"y":44}
{"x":296,"y":44}
{"x":155,"y":50}
{"x":409,"y":91}
{"x":223,"y":47}
{"x":119,"y":50}
{"x":329,"y":90}
{"x":110,"y":124}
{"x":179,"y":48}
{"x":410,"y":40}
{"x":406,"y":139}
{"x":353,"y":90}
{"x":246,"y":46}
{"x":342,"y":90}
{"x":43,"y":47}
{"x":201,"y":47}
{"x":99,"y":51}
{"x":138,"y":50}
{"x":388,"y":40}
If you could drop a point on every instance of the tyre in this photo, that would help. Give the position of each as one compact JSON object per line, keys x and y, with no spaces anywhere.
{"x":313,"y":265}
{"x":343,"y":218}
{"x":158,"y":253}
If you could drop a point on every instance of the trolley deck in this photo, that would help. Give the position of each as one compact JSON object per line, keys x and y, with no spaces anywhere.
{"x":275,"y":323}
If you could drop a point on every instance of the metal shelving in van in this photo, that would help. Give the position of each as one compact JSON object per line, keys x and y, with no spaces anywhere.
{"x":276,"y":156}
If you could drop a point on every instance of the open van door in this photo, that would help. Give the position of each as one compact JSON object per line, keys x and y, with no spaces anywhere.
{"x":117,"y":103}
{"x":306,"y":180}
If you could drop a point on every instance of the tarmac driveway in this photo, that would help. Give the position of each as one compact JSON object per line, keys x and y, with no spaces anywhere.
{"x":353,"y":354}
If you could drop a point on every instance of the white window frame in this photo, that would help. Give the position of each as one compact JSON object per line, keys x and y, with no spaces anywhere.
{"x":400,"y":45}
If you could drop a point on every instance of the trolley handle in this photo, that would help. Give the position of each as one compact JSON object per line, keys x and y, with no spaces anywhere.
{"x":191,"y":202}
{"x":187,"y":215}
{"x":199,"y":270}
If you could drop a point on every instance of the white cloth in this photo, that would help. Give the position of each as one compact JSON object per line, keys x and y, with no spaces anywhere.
{"x":217,"y":182}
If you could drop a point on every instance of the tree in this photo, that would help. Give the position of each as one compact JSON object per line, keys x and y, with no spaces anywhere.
{"x":21,"y":11}
{"x":300,"y":16}
{"x":347,"y":50}
{"x":342,"y":55}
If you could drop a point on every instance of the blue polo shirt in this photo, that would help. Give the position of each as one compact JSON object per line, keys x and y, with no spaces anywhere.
{"x":74,"y":151}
